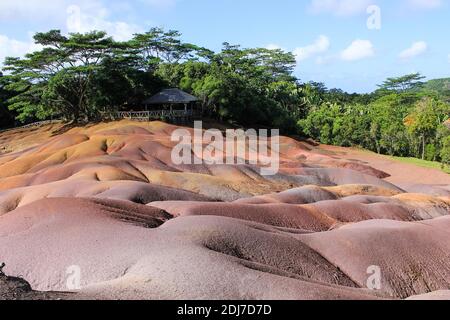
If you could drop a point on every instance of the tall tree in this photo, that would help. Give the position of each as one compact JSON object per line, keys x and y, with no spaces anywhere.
{"x":159,"y":46}
{"x":403,"y":84}
{"x":242,"y":85}
{"x":6,"y":116}
{"x":57,"y":79}
{"x":424,"y":121}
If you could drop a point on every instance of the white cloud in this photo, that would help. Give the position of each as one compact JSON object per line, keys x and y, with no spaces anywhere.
{"x":424,"y":4}
{"x":35,"y":9}
{"x":340,"y":7}
{"x":68,"y":15}
{"x":95,"y":17}
{"x":83,"y":16}
{"x":321,"y":60}
{"x":358,"y":50}
{"x":321,"y":45}
{"x":15,"y":48}
{"x":75,"y":15}
{"x":417,"y":49}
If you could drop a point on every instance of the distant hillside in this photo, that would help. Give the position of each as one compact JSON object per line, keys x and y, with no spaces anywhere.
{"x":440,"y":86}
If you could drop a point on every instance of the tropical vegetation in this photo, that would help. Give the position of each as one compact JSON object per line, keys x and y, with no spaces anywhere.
{"x":76,"y":77}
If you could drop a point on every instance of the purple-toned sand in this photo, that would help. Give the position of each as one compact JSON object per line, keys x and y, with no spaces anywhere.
{"x":108,"y":199}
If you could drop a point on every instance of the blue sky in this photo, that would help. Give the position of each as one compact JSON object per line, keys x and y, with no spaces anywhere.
{"x":331,"y":38}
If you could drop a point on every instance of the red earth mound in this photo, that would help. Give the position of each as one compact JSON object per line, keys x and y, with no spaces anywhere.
{"x":108,"y":200}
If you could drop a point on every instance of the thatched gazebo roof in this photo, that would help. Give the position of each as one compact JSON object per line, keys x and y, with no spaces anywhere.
{"x":171,"y":96}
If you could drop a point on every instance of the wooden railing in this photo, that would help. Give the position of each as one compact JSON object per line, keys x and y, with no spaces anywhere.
{"x":148,"y":115}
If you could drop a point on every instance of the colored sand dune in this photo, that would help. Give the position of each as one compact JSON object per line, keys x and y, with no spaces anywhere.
{"x":108,"y":199}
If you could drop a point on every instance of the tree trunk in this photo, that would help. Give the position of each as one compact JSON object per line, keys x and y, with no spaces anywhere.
{"x":377,"y":145}
{"x":423,"y":147}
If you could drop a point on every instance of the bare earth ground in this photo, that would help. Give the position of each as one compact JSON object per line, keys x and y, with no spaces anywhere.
{"x":400,"y":173}
{"x":409,"y":177}
{"x":108,"y":200}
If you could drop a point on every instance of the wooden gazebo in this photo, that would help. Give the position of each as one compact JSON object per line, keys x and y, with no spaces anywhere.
{"x":176,"y":104}
{"x":172,"y":97}
{"x":169,"y":101}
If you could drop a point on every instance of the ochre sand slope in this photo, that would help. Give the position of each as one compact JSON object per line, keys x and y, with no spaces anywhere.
{"x":108,"y":199}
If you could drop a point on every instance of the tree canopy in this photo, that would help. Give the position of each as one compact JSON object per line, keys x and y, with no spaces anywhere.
{"x":404,"y":83}
{"x":75,"y":77}
{"x":6,"y":116}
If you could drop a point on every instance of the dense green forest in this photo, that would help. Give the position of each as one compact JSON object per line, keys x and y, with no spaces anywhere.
{"x":76,"y":77}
